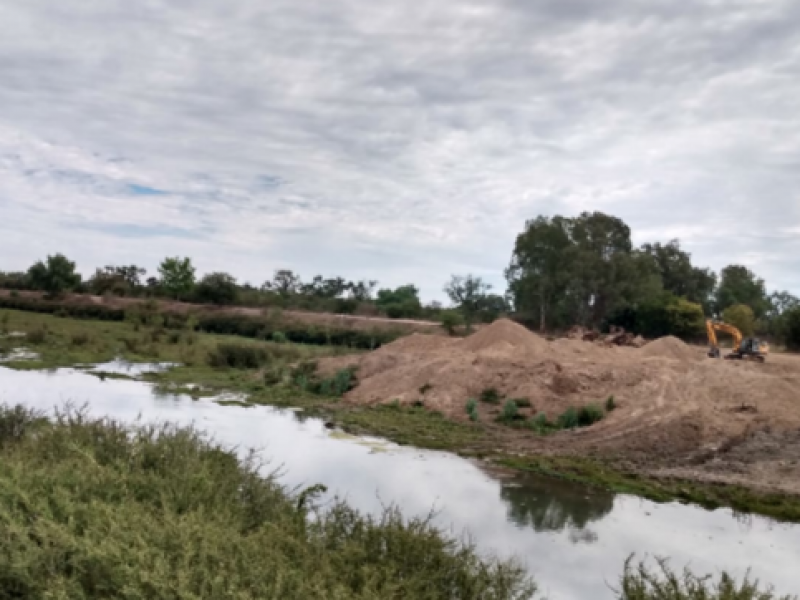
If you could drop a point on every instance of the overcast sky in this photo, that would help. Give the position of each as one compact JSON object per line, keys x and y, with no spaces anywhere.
{"x":399,"y":141}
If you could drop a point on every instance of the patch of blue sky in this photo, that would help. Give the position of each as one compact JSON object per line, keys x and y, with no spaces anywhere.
{"x":144,"y":190}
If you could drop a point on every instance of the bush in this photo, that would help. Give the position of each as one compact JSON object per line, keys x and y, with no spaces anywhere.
{"x":472,"y":409}
{"x":451,"y":320}
{"x":160,"y":512}
{"x":510,"y":411}
{"x":540,"y":424}
{"x":792,"y":320}
{"x":37,"y":336}
{"x":278,"y":337}
{"x":611,"y":404}
{"x":80,"y":339}
{"x":589,"y":415}
{"x":568,"y":419}
{"x":642,"y":583}
{"x":522,"y":403}
{"x":237,"y":356}
{"x":490,"y":396}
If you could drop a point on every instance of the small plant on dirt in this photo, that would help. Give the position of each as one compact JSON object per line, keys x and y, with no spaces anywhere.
{"x":490,"y":396}
{"x":510,"y":411}
{"x":522,"y":402}
{"x":540,"y":424}
{"x":472,"y":409}
{"x":80,"y":339}
{"x":425,"y":389}
{"x":589,"y":415}
{"x":279,"y":337}
{"x":611,"y":404}
{"x":342,"y":382}
{"x":568,"y":419}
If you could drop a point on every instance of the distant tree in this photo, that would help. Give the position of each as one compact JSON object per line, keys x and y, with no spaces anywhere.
{"x":774,"y":323}
{"x":217,"y":288}
{"x":742,"y":317}
{"x":14,"y":281}
{"x":284,"y":282}
{"x":492,"y":307}
{"x":468,"y":294}
{"x":739,"y":285}
{"x":792,"y":331}
{"x":55,"y":276}
{"x":177,"y":276}
{"x":402,"y":302}
{"x":121,"y":281}
{"x":362,"y":290}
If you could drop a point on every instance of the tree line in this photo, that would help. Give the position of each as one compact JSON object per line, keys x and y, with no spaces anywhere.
{"x":564,"y":271}
{"x":177,"y":280}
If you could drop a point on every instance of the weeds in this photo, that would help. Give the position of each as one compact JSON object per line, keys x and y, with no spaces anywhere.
{"x":472,"y":409}
{"x":589,"y":415}
{"x":80,"y":338}
{"x":568,"y":419}
{"x":160,"y":512}
{"x":611,"y":404}
{"x":37,"y":336}
{"x":523,"y":403}
{"x":510,"y":411}
{"x":237,"y":356}
{"x":641,"y":583}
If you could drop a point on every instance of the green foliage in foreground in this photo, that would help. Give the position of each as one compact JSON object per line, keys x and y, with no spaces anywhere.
{"x":91,"y":509}
{"x":640,"y":582}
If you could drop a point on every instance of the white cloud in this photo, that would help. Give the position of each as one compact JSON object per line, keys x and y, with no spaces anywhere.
{"x":391,"y":140}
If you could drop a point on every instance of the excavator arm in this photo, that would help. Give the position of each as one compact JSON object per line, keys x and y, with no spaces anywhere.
{"x":714,"y":326}
{"x":752,"y":349}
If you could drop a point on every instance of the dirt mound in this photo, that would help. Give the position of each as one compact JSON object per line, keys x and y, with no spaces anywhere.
{"x":669,"y":347}
{"x":420,"y":342}
{"x":507,"y":332}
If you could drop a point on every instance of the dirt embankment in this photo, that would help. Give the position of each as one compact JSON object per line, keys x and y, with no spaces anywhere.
{"x":676,"y":408}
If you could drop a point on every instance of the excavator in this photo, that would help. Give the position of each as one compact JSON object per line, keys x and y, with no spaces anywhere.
{"x":743,"y":349}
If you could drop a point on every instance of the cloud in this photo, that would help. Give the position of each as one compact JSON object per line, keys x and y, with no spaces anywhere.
{"x":395,"y":141}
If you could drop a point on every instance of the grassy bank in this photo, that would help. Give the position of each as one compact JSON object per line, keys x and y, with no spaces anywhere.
{"x":249,"y":367}
{"x":92,"y":509}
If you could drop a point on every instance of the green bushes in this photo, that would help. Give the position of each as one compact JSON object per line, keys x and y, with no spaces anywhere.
{"x":611,"y":404}
{"x":237,"y":356}
{"x":571,"y":418}
{"x":490,"y":396}
{"x":37,"y":336}
{"x":80,"y":338}
{"x":159,"y":512}
{"x":510,"y":411}
{"x":304,"y":376}
{"x":589,"y":415}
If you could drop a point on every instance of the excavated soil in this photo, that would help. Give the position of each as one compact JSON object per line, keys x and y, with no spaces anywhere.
{"x":677,"y":410}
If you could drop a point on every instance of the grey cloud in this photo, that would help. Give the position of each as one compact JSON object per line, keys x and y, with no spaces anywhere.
{"x":367,"y":136}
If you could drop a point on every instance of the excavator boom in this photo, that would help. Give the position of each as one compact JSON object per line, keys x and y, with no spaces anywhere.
{"x":750,"y":348}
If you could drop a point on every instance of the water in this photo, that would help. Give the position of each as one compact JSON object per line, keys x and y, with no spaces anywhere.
{"x":573,"y":539}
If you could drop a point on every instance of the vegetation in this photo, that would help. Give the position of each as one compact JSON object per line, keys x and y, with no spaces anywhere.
{"x":510,"y":411}
{"x":611,"y":404}
{"x":472,"y":409}
{"x":55,"y":276}
{"x":177,"y":276}
{"x":490,"y":396}
{"x":470,"y":296}
{"x":742,"y":317}
{"x":640,"y":582}
{"x":161,"y":512}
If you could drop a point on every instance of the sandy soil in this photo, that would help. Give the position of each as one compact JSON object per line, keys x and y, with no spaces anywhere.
{"x":678,"y":412}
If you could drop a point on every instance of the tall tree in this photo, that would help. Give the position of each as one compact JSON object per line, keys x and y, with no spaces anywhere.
{"x":285,"y":282}
{"x":468,"y":294}
{"x":679,"y":276}
{"x":739,"y":285}
{"x":55,"y":276}
{"x":177,"y":276}
{"x":402,"y":302}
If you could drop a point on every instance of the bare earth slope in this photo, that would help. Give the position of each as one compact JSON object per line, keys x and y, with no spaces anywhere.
{"x":678,"y":411}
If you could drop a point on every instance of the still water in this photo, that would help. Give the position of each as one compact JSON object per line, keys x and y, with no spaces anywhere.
{"x":573,"y":539}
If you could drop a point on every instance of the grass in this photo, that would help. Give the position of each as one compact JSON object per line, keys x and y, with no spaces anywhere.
{"x":92,"y":509}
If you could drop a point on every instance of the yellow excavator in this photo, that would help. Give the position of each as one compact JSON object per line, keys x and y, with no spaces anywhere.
{"x":743,"y":349}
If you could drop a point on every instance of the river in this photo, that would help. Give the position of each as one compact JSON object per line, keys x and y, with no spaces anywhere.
{"x":573,"y":539}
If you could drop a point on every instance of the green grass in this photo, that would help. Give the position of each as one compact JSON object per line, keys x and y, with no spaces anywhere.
{"x":91,"y":509}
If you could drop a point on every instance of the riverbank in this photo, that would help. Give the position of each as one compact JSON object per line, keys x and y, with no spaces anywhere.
{"x":66,"y":342}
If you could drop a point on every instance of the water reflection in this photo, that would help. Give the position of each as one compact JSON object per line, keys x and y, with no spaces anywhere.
{"x":545,"y":504}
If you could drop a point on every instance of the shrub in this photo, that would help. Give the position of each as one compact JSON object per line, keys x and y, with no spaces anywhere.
{"x":490,"y":396}
{"x":540,"y":424}
{"x":337,"y":386}
{"x":80,"y":339}
{"x":589,"y":415}
{"x":237,"y":356}
{"x":161,"y":512}
{"x":510,"y":411}
{"x":37,"y":336}
{"x":568,"y":419}
{"x":472,"y":409}
{"x":792,"y":320}
{"x":740,"y":316}
{"x":522,"y":403}
{"x":611,"y":404}
{"x":451,"y":320}
{"x":278,"y":337}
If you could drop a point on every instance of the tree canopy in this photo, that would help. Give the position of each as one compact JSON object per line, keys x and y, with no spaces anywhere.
{"x":54,"y":276}
{"x":177,"y":276}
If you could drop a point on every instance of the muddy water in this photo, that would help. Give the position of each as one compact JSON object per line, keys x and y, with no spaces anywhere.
{"x":574,"y":540}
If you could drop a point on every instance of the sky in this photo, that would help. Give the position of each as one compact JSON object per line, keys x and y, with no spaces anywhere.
{"x":397,"y":141}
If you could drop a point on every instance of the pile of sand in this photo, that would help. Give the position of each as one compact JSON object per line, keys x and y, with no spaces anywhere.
{"x":669,"y":347}
{"x":509,"y":334}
